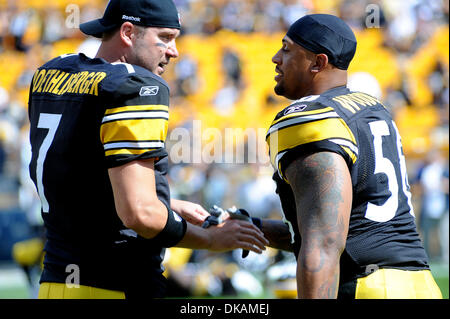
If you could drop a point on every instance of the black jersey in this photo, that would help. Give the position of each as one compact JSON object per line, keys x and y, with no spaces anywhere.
{"x":382,"y":230}
{"x":88,"y":115}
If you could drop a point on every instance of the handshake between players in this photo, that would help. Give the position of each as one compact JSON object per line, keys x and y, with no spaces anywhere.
{"x":223,"y":230}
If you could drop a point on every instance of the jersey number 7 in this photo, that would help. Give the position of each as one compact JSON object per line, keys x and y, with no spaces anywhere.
{"x":50,"y":122}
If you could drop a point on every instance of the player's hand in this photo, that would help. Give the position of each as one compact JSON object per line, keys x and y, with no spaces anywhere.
{"x":193,"y":213}
{"x":233,"y":234}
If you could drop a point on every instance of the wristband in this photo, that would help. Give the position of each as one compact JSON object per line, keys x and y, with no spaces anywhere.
{"x":257,"y":222}
{"x":173,"y":232}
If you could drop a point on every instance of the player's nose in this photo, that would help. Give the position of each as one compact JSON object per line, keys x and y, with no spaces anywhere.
{"x":276,"y":58}
{"x":172,"y":50}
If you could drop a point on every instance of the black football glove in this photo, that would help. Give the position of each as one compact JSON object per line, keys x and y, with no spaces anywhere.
{"x":216,"y":217}
{"x":242,"y":214}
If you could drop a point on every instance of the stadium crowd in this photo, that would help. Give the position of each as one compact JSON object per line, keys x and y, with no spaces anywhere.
{"x":224,"y":80}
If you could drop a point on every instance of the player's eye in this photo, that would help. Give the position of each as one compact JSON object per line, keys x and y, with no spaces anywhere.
{"x":166,"y":37}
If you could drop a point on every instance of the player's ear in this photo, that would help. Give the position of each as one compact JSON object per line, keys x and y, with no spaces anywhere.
{"x":321,"y":61}
{"x":126,"y":33}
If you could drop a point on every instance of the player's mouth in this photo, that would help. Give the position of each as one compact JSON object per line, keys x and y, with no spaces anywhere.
{"x":279,"y":75}
{"x":161,"y":67}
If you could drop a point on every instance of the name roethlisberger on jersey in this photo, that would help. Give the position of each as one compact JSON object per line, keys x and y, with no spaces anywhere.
{"x":59,"y":82}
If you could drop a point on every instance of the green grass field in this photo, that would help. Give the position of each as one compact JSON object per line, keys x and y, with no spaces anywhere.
{"x":441,"y":274}
{"x":443,"y":284}
{"x":13,"y":284}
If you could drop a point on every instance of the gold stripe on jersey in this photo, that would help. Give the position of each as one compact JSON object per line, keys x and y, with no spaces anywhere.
{"x":126,"y":151}
{"x":131,"y":108}
{"x":134,"y":130}
{"x":351,"y":153}
{"x":299,"y":119}
{"x":303,"y":131}
{"x":325,"y":129}
{"x":295,"y":114}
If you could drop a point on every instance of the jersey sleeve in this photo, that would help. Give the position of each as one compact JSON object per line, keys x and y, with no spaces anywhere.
{"x":313,"y":129}
{"x":135,"y":125}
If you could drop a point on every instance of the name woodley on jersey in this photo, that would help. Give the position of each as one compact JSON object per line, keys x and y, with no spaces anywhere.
{"x":59,"y":82}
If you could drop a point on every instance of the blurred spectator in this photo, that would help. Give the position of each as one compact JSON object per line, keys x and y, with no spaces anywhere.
{"x":224,"y":77}
{"x":231,"y":16}
{"x":4,"y":100}
{"x":433,"y":178}
{"x":225,"y":98}
{"x":257,"y":195}
{"x":18,"y":27}
{"x":402,"y":27}
{"x":438,"y":83}
{"x":353,"y":12}
{"x":2,"y":156}
{"x":228,"y":95}
{"x":232,"y":67}
{"x":294,"y":10}
{"x":9,"y":130}
{"x":216,"y":186}
{"x":269,"y":16}
{"x":186,"y":80}
{"x":54,"y":25}
{"x":4,"y":25}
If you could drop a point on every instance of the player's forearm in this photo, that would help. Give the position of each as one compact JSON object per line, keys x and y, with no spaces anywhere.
{"x":229,"y":235}
{"x":191,"y":212}
{"x":195,"y":238}
{"x":146,"y":220}
{"x":277,"y":233}
{"x":175,"y":204}
{"x":135,"y":198}
{"x":317,"y":274}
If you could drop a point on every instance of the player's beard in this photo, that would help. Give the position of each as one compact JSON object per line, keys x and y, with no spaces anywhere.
{"x":140,"y":60}
{"x":279,"y":89}
{"x":141,"y":56}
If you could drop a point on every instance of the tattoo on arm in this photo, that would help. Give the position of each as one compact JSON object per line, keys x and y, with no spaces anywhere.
{"x":323,"y":194}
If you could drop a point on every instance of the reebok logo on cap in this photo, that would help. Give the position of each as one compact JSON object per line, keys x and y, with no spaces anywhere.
{"x":145,"y":13}
{"x":131,"y":18}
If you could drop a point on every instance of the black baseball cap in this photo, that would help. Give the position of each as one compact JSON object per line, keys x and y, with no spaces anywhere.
{"x":325,"y":33}
{"x":147,"y":13}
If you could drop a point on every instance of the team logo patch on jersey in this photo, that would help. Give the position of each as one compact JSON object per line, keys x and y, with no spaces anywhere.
{"x":295,"y":108}
{"x":149,"y":90}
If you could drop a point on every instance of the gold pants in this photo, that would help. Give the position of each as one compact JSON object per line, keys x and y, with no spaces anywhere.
{"x":53,"y":290}
{"x":398,"y":284}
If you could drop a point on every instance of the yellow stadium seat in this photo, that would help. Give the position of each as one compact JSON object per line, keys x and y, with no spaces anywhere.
{"x":12,"y":64}
{"x":65,"y":46}
{"x":416,"y":125}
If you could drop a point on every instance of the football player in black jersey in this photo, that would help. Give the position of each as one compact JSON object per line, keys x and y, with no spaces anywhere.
{"x":98,"y":130}
{"x":341,"y":176}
